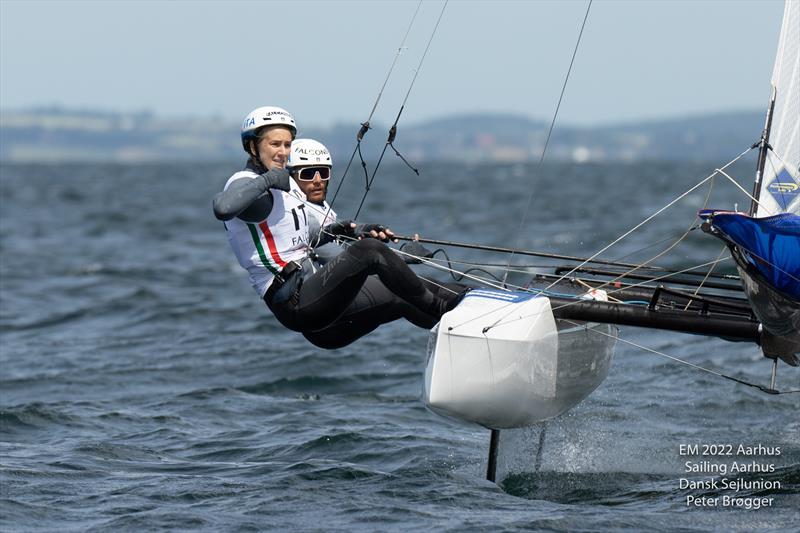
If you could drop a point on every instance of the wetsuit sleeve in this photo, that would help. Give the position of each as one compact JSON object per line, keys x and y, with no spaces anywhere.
{"x":244,"y":196}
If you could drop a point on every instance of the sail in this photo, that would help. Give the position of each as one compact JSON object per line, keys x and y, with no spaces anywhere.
{"x":780,"y":185}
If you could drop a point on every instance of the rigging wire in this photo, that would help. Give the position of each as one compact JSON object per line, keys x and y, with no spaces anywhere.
{"x":365,"y":127}
{"x":762,"y":388}
{"x":710,"y":270}
{"x":476,"y":266}
{"x":658,"y":212}
{"x":668,"y":248}
{"x":547,"y":288}
{"x":750,"y":196}
{"x":549,"y":134}
{"x":433,"y":264}
{"x":548,"y":255}
{"x":393,"y":129}
{"x":616,"y":290}
{"x":519,"y":252}
{"x":629,"y":232}
{"x":733,"y":277}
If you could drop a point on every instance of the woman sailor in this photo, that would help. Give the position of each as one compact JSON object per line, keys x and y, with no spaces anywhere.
{"x":266,"y":217}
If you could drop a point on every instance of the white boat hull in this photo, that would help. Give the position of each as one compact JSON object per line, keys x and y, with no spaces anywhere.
{"x":501,"y":360}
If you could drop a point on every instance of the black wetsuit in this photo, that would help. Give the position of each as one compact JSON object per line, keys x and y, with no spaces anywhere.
{"x":375,"y":305}
{"x":342,"y":301}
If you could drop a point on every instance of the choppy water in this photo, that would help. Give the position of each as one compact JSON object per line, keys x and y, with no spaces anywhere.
{"x":145,"y":386}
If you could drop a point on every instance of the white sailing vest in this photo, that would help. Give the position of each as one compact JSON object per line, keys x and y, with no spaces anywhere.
{"x":322,"y":215}
{"x":264,"y":248}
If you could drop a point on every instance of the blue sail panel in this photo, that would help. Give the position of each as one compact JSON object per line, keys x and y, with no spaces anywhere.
{"x":771,"y":244}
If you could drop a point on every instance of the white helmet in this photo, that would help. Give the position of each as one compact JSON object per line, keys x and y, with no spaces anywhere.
{"x":265,"y":116}
{"x":308,"y":152}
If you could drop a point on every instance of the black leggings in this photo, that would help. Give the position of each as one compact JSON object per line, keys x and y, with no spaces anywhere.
{"x":375,"y":305}
{"x":343,"y":288}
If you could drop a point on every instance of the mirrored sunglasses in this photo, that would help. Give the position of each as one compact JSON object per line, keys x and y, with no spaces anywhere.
{"x":308,"y":173}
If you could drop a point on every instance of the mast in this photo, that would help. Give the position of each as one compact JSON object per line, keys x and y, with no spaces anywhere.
{"x":762,"y":154}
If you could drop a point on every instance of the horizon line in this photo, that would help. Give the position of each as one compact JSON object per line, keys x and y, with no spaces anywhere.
{"x":151,"y":114}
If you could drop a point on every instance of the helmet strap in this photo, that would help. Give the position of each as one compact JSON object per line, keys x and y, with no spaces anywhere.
{"x":255,"y":157}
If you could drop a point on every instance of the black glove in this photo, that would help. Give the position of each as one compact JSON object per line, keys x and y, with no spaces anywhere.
{"x":344,"y":228}
{"x":331,"y":231}
{"x":362,"y":231}
{"x":276,"y":179}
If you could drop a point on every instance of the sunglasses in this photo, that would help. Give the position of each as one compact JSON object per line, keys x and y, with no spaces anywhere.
{"x":308,"y":173}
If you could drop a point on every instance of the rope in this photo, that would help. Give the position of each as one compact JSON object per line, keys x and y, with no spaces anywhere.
{"x":654,"y":215}
{"x":433,"y":263}
{"x":393,"y":129}
{"x":546,"y":289}
{"x":668,"y":248}
{"x":520,"y":252}
{"x":630,"y":231}
{"x":399,"y":50}
{"x":710,"y":270}
{"x":365,"y":125}
{"x":750,"y":196}
{"x":661,"y":241}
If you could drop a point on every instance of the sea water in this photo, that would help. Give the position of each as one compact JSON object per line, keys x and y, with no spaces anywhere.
{"x":145,"y":386}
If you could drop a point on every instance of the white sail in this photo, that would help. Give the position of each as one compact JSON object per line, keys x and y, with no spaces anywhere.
{"x":780,"y":185}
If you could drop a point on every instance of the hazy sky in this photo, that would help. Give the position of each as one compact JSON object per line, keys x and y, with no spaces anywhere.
{"x":326,"y":61}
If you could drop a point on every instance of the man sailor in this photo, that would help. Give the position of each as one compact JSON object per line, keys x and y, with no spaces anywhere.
{"x":310,"y":165}
{"x":266,"y":216}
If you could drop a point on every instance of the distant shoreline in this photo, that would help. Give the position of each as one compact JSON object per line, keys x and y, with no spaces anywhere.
{"x":62,"y":135}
